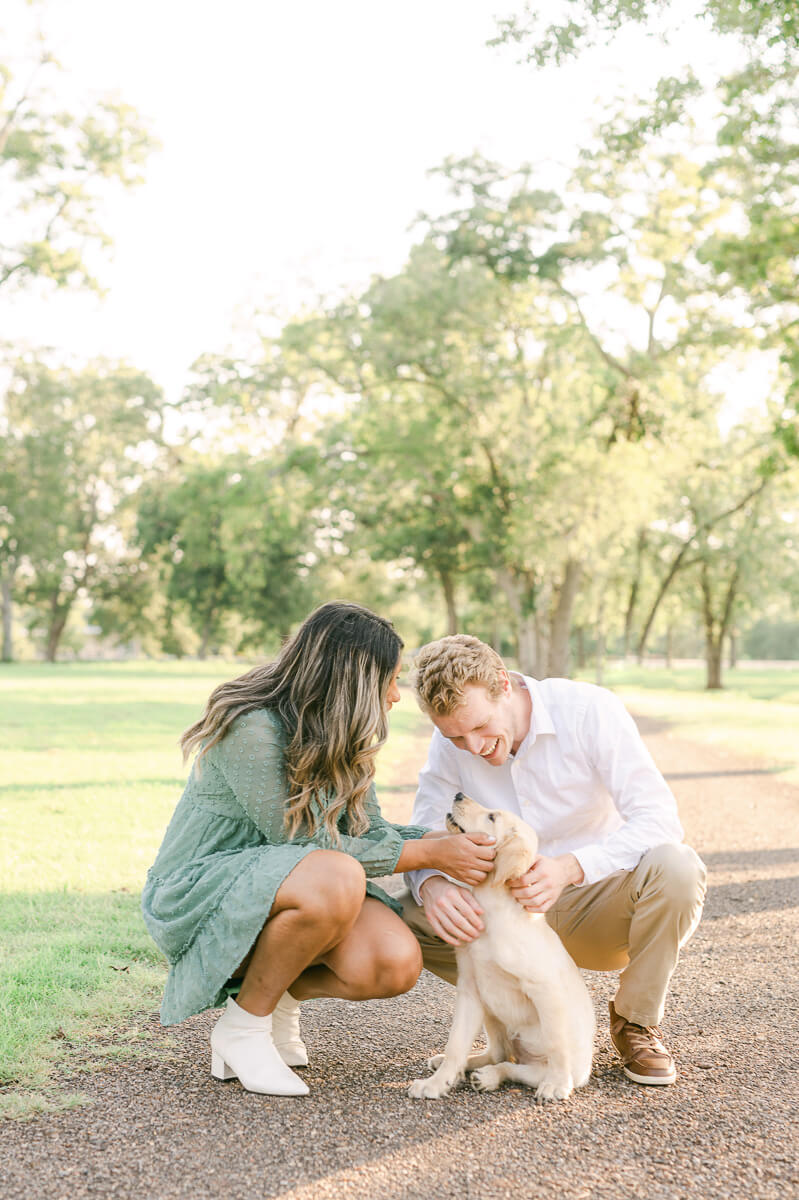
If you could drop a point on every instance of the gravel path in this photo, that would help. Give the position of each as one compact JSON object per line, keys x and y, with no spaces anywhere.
{"x":727,"y":1128}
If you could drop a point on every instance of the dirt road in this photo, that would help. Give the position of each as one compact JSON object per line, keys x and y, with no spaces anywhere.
{"x":726,"y":1129}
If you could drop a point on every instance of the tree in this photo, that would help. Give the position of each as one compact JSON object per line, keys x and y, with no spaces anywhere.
{"x":55,"y":168}
{"x":179,"y":530}
{"x":752,"y":155}
{"x":230,"y":540}
{"x":75,"y":445}
{"x":587,"y":23}
{"x":55,"y":165}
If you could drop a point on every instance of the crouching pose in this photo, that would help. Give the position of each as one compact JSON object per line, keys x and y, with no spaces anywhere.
{"x":260,"y":890}
{"x":516,"y":981}
{"x":610,"y":875}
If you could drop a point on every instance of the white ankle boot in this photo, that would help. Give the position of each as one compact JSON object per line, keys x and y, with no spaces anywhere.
{"x":242,"y":1047}
{"x":286,"y":1031}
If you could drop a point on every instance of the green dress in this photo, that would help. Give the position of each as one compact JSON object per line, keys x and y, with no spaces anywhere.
{"x":225,"y":854}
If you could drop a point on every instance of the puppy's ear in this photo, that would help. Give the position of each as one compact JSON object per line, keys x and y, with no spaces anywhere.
{"x":512,"y":859}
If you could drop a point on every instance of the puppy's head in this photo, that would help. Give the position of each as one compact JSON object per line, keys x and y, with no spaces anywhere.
{"x":517,"y":844}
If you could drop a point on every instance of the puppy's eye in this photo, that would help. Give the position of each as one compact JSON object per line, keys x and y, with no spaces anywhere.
{"x":491,"y":817}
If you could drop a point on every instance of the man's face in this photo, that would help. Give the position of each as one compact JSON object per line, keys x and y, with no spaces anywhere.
{"x":483,"y":725}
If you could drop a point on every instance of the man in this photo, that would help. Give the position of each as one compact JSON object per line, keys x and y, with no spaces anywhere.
{"x":611,"y":874}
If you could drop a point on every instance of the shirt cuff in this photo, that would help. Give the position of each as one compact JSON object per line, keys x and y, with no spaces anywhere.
{"x":415,"y":879}
{"x":598,"y":864}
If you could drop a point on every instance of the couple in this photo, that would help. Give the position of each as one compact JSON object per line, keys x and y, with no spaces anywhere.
{"x":261,"y":894}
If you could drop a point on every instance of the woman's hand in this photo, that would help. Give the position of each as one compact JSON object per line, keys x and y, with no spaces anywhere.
{"x":464,"y":856}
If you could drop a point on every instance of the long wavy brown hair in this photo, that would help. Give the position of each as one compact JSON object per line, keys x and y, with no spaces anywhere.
{"x":329,"y":687}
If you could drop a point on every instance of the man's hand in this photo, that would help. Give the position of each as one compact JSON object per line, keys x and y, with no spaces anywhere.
{"x":452,"y":911}
{"x":539,"y":888}
{"x":465,"y":856}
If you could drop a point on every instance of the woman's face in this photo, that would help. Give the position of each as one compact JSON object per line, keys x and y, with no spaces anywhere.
{"x":393,"y":693}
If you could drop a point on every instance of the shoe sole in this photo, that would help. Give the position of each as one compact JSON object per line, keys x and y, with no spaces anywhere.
{"x":651,"y":1080}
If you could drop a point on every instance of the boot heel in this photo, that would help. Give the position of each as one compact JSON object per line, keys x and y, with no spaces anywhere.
{"x":219,"y":1068}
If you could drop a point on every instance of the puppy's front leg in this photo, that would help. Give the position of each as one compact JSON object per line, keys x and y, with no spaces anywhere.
{"x":466,"y":1021}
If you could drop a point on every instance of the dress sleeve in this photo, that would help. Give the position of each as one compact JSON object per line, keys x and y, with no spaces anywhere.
{"x":379,"y":848}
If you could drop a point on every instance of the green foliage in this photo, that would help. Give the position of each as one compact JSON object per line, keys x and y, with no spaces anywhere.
{"x":228,"y":537}
{"x":74,"y":447}
{"x":587,"y":23}
{"x":54,"y":167}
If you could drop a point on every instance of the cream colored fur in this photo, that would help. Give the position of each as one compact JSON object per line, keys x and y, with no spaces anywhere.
{"x":516,"y":980}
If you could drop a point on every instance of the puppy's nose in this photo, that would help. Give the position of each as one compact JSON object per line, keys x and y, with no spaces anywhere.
{"x":458,"y":796}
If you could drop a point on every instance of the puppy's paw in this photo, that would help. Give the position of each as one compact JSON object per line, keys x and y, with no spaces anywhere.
{"x":553,"y":1089}
{"x":486,"y":1079}
{"x":427,"y":1089}
{"x":435,"y":1061}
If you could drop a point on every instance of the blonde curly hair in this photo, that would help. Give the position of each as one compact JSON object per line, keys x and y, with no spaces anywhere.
{"x":442,"y":669}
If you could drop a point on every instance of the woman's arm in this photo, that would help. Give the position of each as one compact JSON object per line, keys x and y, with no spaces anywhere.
{"x":465,"y":856}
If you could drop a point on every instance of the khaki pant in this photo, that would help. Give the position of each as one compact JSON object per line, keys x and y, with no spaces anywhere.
{"x":633,"y":921}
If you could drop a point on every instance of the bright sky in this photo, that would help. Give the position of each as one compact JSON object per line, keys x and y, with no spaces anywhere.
{"x":296,"y":139}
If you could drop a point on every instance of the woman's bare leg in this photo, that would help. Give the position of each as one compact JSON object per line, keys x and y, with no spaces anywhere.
{"x":315,"y":908}
{"x":379,"y":957}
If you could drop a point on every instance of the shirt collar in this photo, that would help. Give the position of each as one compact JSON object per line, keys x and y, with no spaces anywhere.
{"x":541,"y":722}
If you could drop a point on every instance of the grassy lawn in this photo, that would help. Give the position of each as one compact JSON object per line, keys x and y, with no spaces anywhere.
{"x":755,"y":715}
{"x":91,"y":774}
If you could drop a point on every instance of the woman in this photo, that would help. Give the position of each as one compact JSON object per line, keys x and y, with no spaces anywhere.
{"x":259,"y":888}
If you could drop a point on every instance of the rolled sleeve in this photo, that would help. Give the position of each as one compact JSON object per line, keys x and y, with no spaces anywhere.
{"x":378,"y":850}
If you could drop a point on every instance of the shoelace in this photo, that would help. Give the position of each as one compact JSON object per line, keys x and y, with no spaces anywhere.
{"x":644,"y":1037}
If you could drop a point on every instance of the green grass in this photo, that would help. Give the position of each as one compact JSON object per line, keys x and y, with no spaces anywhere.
{"x":755,"y":715}
{"x":91,"y":774}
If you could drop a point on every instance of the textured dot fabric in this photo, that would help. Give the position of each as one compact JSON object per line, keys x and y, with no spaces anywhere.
{"x":226,"y":852}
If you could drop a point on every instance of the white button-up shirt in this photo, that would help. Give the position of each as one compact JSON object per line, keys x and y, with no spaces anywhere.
{"x":582,"y":778}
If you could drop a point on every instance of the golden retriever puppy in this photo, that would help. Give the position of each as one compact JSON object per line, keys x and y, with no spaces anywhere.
{"x":516,"y":979}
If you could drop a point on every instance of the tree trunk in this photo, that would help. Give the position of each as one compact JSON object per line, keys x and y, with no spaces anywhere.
{"x":579,"y":634}
{"x":732,"y":642}
{"x":716,"y":628}
{"x":713,"y":664}
{"x":558,"y":661}
{"x":632,"y":598}
{"x":528,"y":658}
{"x":448,"y":588}
{"x":58,"y":620}
{"x":8,"y":615}
{"x":664,"y":587}
{"x":205,"y":638}
{"x":519,"y":594}
{"x":600,"y":641}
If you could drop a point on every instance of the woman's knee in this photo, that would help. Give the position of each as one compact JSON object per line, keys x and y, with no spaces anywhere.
{"x":331,"y":888}
{"x":397,"y":970}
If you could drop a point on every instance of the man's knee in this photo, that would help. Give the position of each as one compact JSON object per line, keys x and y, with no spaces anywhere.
{"x":677,"y":872}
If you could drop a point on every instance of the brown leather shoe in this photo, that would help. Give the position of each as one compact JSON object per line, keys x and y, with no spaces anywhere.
{"x":645,"y":1058}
